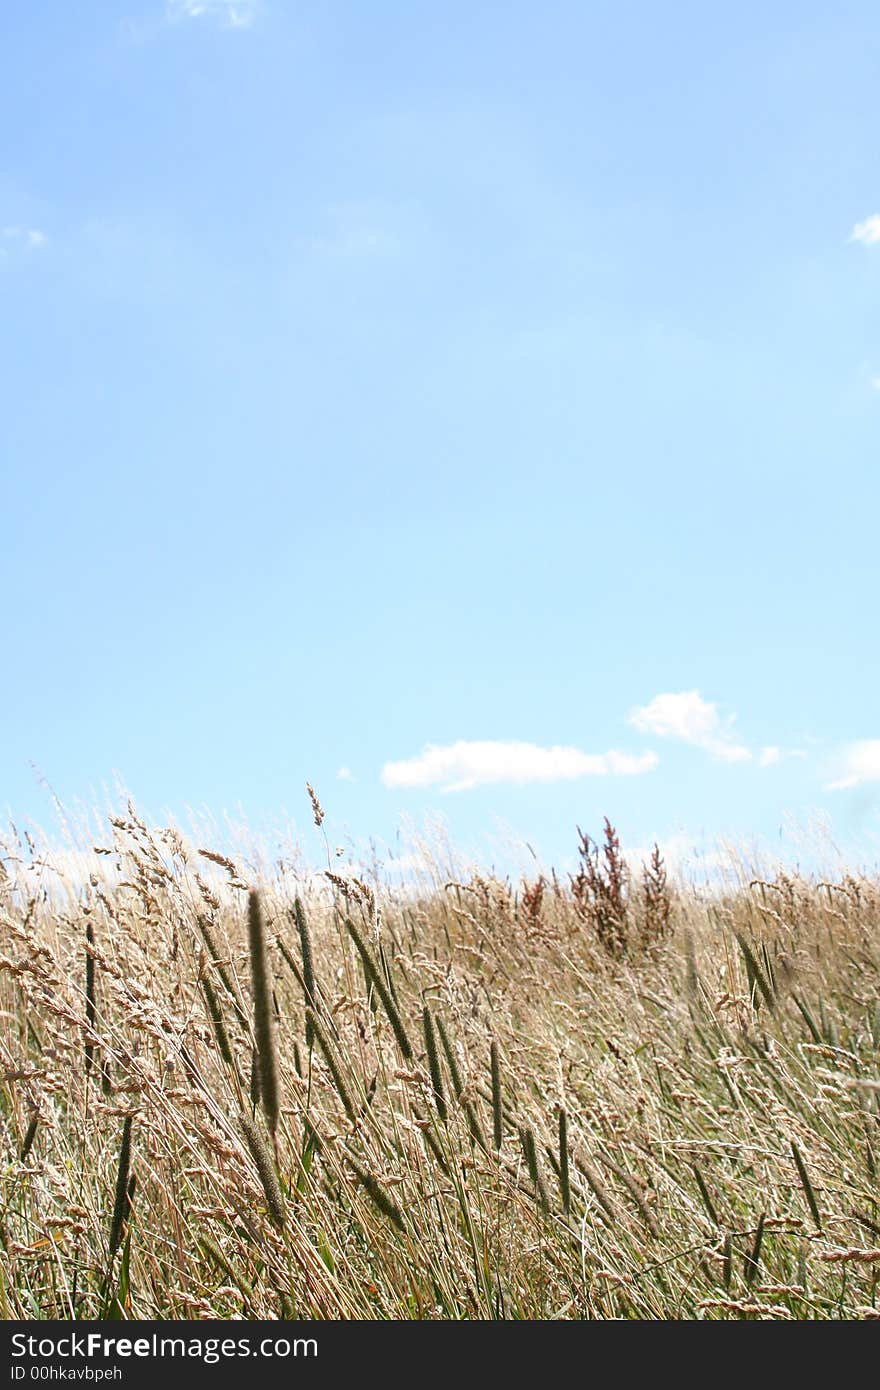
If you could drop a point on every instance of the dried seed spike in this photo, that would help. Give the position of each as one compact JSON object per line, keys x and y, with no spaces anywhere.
{"x":704,"y":1193}
{"x":564,"y":1176}
{"x":434,"y":1062}
{"x":121,"y":1202}
{"x":657,"y":900}
{"x":222,"y":860}
{"x":317,"y":808}
{"x":318,"y":1033}
{"x":755,"y":974}
{"x":222,"y":973}
{"x":636,"y":1193}
{"x":213,"y":1251}
{"x":597,"y":1187}
{"x":90,"y":996}
{"x":259,"y":1151}
{"x":255,"y":1078}
{"x":377,"y":1194}
{"x":497,"y":1103}
{"x":806,"y":1185}
{"x":264,"y":1021}
{"x":377,"y":980}
{"x":750,"y":1263}
{"x":305,"y":942}
{"x":30,"y":1135}
{"x":458,"y":1086}
{"x":451,"y":1059}
{"x":217,"y":1023}
{"x":527,"y":1139}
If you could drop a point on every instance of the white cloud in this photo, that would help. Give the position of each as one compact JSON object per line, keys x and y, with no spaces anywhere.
{"x":858,"y":763}
{"x":235,"y":14}
{"x":353,"y":243}
{"x":875,"y":382}
{"x":687,"y":716}
{"x":867,"y":232}
{"x":345,"y":774}
{"x":460,"y":766}
{"x":769,"y":755}
{"x":685,"y":857}
{"x":31,"y":237}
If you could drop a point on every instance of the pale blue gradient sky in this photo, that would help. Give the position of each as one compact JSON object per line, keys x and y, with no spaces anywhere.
{"x":377,"y":376}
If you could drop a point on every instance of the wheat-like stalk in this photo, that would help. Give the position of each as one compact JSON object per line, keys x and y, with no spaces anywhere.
{"x":434,"y":1062}
{"x":29,"y":1137}
{"x":659,"y":1142}
{"x":497,"y":1102}
{"x":90,"y":997}
{"x":308,"y":965}
{"x":377,"y":1194}
{"x":216,"y":1017}
{"x":266,"y":1066}
{"x":527,"y":1139}
{"x":259,"y":1151}
{"x":122,"y":1198}
{"x":564,"y":1174}
{"x":317,"y":1030}
{"x":377,"y":980}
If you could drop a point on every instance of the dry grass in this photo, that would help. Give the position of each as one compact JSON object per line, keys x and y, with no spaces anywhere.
{"x":488,"y":1102}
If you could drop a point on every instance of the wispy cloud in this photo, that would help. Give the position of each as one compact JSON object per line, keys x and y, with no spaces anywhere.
{"x":234,"y":14}
{"x":857,"y":763}
{"x":362,"y":229}
{"x":345,"y":774}
{"x":685,"y":857}
{"x":353,"y":243}
{"x":687,"y":716}
{"x":867,"y":232}
{"x":769,"y":755}
{"x":460,"y":766}
{"x":31,"y":238}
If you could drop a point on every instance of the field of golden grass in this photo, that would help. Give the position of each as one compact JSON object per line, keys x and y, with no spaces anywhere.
{"x":235,"y":1092}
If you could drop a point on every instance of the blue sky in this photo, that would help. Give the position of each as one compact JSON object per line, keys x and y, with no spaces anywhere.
{"x":479,"y":399}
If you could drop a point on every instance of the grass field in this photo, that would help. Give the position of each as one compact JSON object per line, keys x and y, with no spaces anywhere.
{"x":241,"y":1093}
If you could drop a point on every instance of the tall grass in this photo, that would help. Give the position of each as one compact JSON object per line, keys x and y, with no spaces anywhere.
{"x":693,"y":1082}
